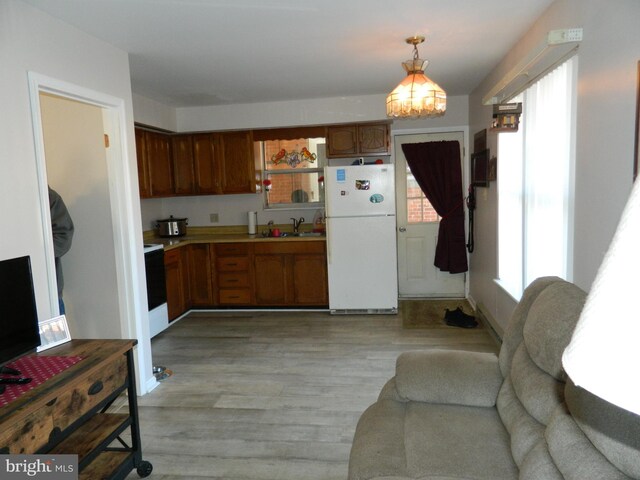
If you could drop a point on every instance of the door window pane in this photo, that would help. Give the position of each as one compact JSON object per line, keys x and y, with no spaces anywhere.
{"x":419,"y":209}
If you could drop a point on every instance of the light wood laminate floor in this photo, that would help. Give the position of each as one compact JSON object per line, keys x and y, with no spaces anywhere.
{"x":273,"y":395}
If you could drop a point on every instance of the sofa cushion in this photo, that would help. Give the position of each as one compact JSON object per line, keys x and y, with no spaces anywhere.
{"x":513,"y":334}
{"x":538,"y":464}
{"x":613,"y":431}
{"x":550,"y":322}
{"x":457,"y":442}
{"x":539,"y":392}
{"x":378,"y":449}
{"x":445,"y":376}
{"x":525,"y":430}
{"x":573,"y":453}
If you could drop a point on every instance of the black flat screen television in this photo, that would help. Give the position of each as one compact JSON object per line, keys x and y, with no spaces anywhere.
{"x":19,"y":330}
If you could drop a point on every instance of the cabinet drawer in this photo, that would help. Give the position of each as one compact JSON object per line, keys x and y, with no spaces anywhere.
{"x":232,"y":264}
{"x":233,"y":280}
{"x":232,"y":248}
{"x":290,"y":247}
{"x":234,"y":296}
{"x":72,"y":404}
{"x":29,"y":435}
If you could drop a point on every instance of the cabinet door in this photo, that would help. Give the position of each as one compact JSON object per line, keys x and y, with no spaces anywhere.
{"x":237,"y":165}
{"x":200,"y":293}
{"x":160,"y":165}
{"x":207,"y":173}
{"x":310,"y":280}
{"x":174,"y":275}
{"x":143,"y":166}
{"x":183,"y":174}
{"x":270,"y":279}
{"x":342,"y":141}
{"x":373,"y":138}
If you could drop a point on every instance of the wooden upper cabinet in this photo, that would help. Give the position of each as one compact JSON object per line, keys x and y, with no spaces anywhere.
{"x":183,"y":169}
{"x":143,"y":167}
{"x":236,"y":162}
{"x":342,"y":141}
{"x":357,"y":140}
{"x":207,"y":176}
{"x":159,"y":163}
{"x":373,"y":138}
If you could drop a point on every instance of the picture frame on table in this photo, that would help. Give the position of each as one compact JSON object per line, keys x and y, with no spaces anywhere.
{"x":54,"y":331}
{"x":480,"y":169}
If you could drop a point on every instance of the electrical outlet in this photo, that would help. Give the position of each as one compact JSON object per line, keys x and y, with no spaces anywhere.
{"x":213,"y":217}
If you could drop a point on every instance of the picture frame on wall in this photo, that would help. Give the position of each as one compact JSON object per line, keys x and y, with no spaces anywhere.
{"x":480,"y":169}
{"x":480,"y":141}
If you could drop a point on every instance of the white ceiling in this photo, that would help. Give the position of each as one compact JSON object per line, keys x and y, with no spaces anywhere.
{"x":210,"y":52}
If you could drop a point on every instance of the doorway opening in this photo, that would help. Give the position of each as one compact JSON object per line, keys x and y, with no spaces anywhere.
{"x":418,"y":225}
{"x":104,"y":270}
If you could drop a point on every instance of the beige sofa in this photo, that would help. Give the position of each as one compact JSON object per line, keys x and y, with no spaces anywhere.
{"x":470,"y":415}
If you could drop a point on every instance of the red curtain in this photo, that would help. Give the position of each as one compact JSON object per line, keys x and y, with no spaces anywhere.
{"x":436,"y":168}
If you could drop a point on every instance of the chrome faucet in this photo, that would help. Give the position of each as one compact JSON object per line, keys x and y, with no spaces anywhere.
{"x":297,"y":223}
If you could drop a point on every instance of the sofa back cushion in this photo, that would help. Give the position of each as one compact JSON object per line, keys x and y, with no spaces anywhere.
{"x":612,"y":431}
{"x":530,"y":359}
{"x":550,"y":324}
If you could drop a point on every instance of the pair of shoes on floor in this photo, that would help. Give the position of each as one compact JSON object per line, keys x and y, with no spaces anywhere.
{"x":457,"y":318}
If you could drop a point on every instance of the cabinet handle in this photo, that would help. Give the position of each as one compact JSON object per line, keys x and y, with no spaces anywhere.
{"x":232,"y":280}
{"x":232,"y":264}
{"x":52,"y":402}
{"x":96,"y":387}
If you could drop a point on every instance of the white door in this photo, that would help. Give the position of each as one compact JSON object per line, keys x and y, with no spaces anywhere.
{"x":418,"y":229}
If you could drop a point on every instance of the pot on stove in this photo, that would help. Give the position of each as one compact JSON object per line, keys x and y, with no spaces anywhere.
{"x":172,"y":227}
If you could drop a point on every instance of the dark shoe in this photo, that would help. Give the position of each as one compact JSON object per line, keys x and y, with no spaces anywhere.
{"x":457,"y":318}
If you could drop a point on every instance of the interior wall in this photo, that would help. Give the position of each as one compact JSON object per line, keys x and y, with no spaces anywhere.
{"x":150,"y":112}
{"x":77,"y":170}
{"x":32,"y":41}
{"x":605,"y":127}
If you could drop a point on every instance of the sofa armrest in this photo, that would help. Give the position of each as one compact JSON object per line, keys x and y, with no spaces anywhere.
{"x":449,"y":376}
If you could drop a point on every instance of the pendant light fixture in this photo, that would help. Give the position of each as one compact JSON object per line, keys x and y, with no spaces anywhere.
{"x":416,"y":96}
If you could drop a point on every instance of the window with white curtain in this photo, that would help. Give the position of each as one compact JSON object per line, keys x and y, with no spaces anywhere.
{"x":535,"y":183}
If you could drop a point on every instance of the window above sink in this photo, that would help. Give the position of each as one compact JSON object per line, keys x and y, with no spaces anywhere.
{"x":293,"y":172}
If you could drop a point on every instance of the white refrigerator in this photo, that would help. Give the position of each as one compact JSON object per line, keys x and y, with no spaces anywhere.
{"x":361,"y":239}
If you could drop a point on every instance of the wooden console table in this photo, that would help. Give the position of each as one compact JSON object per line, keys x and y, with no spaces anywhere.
{"x":67,"y":414}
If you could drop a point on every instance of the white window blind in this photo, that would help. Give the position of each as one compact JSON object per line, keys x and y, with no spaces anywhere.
{"x":535,"y":184}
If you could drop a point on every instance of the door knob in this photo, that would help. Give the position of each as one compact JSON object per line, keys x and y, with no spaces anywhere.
{"x":402,"y":229}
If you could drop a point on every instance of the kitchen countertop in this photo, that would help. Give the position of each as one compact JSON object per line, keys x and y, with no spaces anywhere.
{"x":175,"y":242}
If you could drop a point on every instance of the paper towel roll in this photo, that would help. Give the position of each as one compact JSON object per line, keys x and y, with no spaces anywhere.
{"x":253,"y":221}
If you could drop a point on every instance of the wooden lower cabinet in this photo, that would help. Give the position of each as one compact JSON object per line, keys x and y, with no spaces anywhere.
{"x":199,"y":274}
{"x":176,"y":280}
{"x":233,"y":273}
{"x":310,"y":285}
{"x":272,"y":279}
{"x":69,"y":413}
{"x":244,"y":274}
{"x":290,"y":274}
